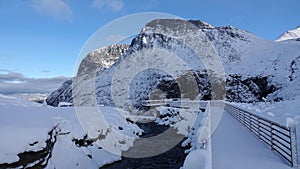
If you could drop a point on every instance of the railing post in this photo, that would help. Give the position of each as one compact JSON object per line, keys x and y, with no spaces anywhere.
{"x":294,"y":146}
{"x":250,"y":119}
{"x":272,"y":137}
{"x":244,"y":117}
{"x":258,"y":128}
{"x":240,"y":116}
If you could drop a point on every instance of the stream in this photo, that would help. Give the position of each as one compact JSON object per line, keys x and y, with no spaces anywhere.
{"x":172,"y":158}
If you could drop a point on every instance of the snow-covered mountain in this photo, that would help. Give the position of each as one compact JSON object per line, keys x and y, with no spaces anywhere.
{"x":290,"y":35}
{"x":96,"y":60}
{"x":255,"y":69}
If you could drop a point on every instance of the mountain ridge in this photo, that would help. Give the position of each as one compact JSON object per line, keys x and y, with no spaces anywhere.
{"x":255,"y":68}
{"x":293,"y":34}
{"x":97,"y":60}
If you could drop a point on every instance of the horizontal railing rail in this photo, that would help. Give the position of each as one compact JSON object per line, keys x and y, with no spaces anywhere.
{"x":279,"y":138}
{"x":182,"y":103}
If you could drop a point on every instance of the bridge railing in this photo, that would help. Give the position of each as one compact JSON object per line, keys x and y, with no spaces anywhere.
{"x":279,"y":138}
{"x":153,"y":102}
{"x":176,"y":102}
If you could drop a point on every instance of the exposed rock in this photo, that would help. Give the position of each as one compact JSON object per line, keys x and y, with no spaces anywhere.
{"x":101,"y":58}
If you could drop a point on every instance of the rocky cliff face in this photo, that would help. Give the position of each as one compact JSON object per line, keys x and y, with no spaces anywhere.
{"x":101,"y":58}
{"x":63,"y":93}
{"x":169,"y":55}
{"x":97,"y":60}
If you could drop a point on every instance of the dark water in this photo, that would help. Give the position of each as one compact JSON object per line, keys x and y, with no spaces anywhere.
{"x":171,"y":159}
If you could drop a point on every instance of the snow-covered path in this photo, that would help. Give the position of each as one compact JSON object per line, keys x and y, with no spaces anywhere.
{"x":234,"y":147}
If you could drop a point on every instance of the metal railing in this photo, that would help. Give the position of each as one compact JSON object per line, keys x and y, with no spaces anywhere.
{"x":176,"y":102}
{"x":153,"y":102}
{"x":279,"y":138}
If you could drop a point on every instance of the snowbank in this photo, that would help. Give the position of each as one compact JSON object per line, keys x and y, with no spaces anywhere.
{"x":26,"y":128}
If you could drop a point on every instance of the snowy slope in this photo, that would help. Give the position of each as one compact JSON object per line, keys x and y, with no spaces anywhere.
{"x":290,"y":35}
{"x":239,"y":50}
{"x":28,"y":130}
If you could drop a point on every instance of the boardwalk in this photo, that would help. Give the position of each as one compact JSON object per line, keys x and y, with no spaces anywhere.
{"x":234,"y":147}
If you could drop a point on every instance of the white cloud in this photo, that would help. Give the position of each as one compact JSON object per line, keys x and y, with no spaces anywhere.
{"x":113,"y":5}
{"x":55,"y":8}
{"x":14,"y":82}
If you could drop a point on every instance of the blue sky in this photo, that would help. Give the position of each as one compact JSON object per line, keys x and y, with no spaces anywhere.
{"x":42,"y":38}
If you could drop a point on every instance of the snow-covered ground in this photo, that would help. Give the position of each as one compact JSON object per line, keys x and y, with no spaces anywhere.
{"x":25,"y":127}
